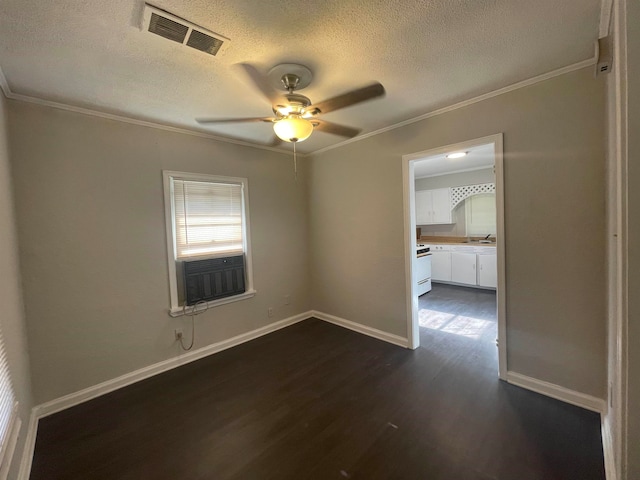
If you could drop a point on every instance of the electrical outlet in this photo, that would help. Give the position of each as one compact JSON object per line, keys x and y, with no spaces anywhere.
{"x":287,"y":299}
{"x":178,"y":333}
{"x":270,"y":312}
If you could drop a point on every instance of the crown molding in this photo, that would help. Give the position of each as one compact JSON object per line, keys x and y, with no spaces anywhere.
{"x":135,"y":121}
{"x":131,"y":120}
{"x":465,"y":170}
{"x":466,"y":103}
{"x":4,"y":86}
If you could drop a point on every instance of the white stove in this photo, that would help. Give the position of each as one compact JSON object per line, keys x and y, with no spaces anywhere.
{"x":422,"y":268}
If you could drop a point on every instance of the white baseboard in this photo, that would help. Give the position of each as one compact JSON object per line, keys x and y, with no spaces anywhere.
{"x":29,"y":447}
{"x":608,"y":450}
{"x":545,"y":388}
{"x":556,"y":391}
{"x":103,"y":388}
{"x":358,"y":327}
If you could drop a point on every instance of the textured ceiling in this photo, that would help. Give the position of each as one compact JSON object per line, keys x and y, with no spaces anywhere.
{"x":427,"y":53}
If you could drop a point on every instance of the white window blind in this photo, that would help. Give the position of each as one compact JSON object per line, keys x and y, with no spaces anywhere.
{"x":7,"y":404}
{"x":207,"y":218}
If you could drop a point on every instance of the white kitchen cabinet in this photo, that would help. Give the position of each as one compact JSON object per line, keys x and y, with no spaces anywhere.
{"x":423,"y":207}
{"x":441,"y":202}
{"x":433,"y":206}
{"x":463,"y":268}
{"x":440,"y":265}
{"x":488,"y":270}
{"x":474,"y":266}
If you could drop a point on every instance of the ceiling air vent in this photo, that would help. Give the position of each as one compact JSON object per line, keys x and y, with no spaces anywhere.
{"x":203,"y":42}
{"x":167,"y":28}
{"x":179,"y":30}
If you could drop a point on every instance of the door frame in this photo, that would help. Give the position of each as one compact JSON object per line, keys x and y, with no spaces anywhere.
{"x":408,"y":180}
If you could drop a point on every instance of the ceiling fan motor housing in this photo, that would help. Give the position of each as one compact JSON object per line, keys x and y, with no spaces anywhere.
{"x":296,"y":103}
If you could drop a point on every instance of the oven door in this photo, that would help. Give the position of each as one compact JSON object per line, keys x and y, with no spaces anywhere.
{"x":423,"y":273}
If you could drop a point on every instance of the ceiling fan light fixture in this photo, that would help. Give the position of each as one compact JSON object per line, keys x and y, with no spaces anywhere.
{"x":293,"y":129}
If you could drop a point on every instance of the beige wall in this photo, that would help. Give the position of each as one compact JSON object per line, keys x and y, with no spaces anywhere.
{"x":93,"y":245}
{"x":633,"y":214}
{"x":91,"y":225}
{"x":555,"y":210}
{"x":12,"y":320}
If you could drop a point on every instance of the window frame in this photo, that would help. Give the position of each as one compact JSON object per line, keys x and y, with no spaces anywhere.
{"x":168,"y":176}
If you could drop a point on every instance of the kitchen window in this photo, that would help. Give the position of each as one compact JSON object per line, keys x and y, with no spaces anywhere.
{"x":207,"y":217}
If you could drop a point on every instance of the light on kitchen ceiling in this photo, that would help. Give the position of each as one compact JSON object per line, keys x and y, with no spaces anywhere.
{"x":293,"y":128}
{"x":456,"y":155}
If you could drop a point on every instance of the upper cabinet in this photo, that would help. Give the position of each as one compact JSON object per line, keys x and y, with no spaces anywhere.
{"x":433,"y":206}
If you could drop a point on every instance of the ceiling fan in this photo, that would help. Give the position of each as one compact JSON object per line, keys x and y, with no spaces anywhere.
{"x":295,"y":116}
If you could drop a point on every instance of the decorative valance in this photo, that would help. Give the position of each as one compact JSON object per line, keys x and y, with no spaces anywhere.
{"x":458,"y":194}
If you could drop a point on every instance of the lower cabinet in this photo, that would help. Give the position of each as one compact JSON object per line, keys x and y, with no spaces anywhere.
{"x":465,"y":265}
{"x":487,"y":271}
{"x":463,"y":268}
{"x":441,"y":266}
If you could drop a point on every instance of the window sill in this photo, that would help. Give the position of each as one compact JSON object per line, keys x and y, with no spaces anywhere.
{"x":179,"y":311}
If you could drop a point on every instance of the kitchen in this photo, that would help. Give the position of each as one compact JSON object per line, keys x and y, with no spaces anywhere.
{"x":455,"y":263}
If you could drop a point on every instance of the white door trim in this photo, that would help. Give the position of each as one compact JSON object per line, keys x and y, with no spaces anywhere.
{"x":408,"y":179}
{"x":620,"y":325}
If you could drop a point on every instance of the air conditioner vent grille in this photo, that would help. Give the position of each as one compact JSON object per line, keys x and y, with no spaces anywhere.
{"x":167,"y":28}
{"x":177,"y":29}
{"x":204,"y":43}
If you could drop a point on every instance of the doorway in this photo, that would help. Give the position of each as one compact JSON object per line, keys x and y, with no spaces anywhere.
{"x":469,"y":268}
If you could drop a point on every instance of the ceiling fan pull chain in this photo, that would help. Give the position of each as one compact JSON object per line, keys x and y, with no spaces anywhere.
{"x":295,"y":162}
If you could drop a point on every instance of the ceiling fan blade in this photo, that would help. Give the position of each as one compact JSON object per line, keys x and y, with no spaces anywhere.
{"x":261,"y":82}
{"x":347,"y":99}
{"x":235,"y":120}
{"x":334,"y":128}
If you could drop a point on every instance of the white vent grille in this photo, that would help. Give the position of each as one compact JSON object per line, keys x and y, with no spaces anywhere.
{"x":458,"y":194}
{"x":179,"y":30}
{"x":167,"y":28}
{"x":203,"y":42}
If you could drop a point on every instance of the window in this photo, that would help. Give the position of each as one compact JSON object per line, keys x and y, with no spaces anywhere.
{"x":207,"y":218}
{"x":480,"y":214}
{"x":9,"y":421}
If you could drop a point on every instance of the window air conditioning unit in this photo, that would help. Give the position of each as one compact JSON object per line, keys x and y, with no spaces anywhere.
{"x":213,"y":279}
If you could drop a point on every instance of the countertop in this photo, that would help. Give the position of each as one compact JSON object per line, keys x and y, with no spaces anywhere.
{"x":457,"y":241}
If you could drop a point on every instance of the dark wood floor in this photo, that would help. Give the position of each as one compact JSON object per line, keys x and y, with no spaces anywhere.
{"x":316,"y":401}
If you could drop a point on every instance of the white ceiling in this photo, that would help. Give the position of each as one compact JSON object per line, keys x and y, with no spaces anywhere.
{"x":427,"y":54}
{"x":481,"y":156}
